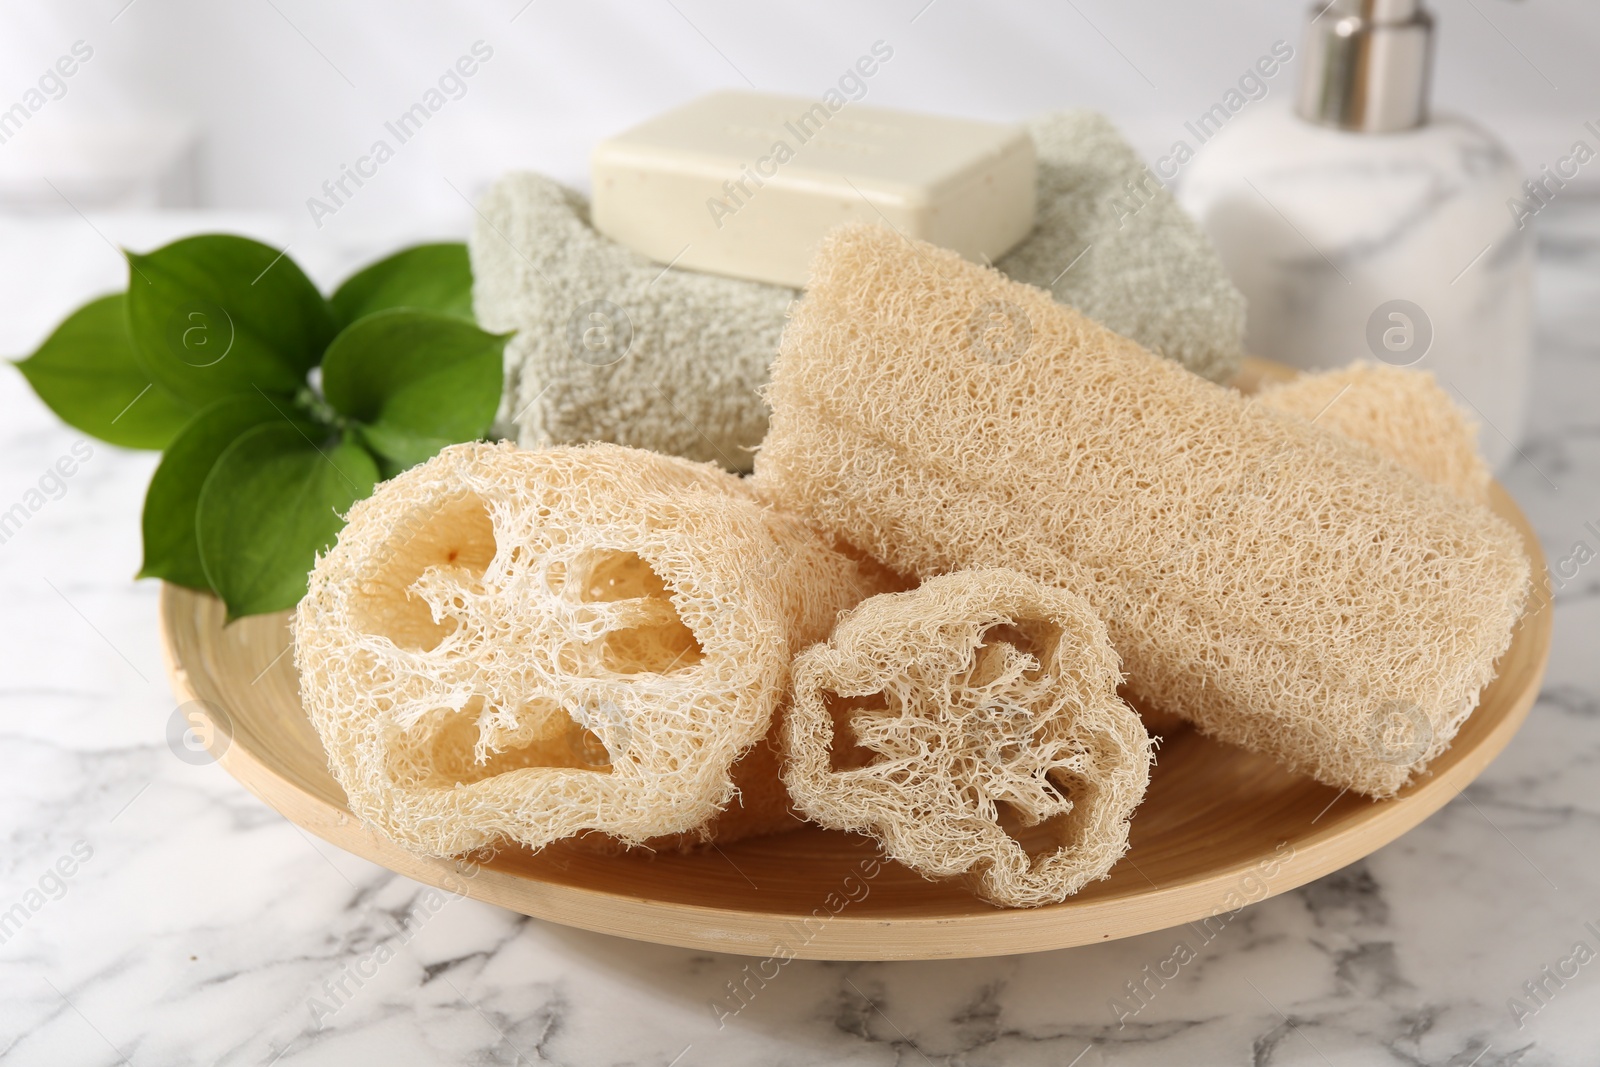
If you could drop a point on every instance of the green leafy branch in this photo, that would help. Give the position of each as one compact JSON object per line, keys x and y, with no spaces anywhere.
{"x":275,"y":408}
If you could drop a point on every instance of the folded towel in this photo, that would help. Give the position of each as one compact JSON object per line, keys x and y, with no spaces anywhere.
{"x":611,"y":346}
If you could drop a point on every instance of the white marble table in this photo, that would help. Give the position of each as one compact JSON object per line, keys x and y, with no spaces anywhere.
{"x":197,"y":926}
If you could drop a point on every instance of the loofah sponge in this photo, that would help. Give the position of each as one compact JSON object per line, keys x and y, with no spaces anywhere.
{"x":1405,"y":414}
{"x":1275,"y":584}
{"x":1139,"y":264}
{"x":958,"y":721}
{"x":511,"y":645}
{"x":676,"y":371}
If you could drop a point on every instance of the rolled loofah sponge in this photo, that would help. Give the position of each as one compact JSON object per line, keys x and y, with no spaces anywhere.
{"x":1275,"y":584}
{"x":522,"y":646}
{"x":1405,"y":414}
{"x":672,"y":362}
{"x":962,"y":719}
{"x":1139,"y":264}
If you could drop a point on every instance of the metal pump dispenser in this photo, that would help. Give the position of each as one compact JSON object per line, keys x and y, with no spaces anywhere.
{"x":1358,"y":210}
{"x":1367,"y":65}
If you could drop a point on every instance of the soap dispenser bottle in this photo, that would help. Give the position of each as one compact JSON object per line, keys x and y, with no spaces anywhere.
{"x":1359,"y":226}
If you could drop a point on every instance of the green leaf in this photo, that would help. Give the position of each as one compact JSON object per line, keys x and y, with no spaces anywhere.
{"x":435,"y":277}
{"x":216,"y":315}
{"x":170,"y":548}
{"x":87,"y":374}
{"x":415,"y":380}
{"x":270,"y":504}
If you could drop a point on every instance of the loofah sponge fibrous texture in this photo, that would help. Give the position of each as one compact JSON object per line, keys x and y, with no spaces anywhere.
{"x":700,"y":347}
{"x":1150,"y":274}
{"x":521,"y":646}
{"x":1275,"y":584}
{"x":1404,"y":414}
{"x":972,"y":726}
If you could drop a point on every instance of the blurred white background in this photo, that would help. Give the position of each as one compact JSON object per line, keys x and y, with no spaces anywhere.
{"x":253,"y":104}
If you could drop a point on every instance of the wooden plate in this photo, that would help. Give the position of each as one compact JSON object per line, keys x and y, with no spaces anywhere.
{"x":1220,"y":827}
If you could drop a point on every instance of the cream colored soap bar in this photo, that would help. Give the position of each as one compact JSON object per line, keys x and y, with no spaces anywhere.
{"x":745,"y":184}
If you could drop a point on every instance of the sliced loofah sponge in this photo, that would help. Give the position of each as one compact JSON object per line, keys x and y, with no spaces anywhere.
{"x":1405,"y":414}
{"x":1139,"y":264}
{"x":1270,"y":581}
{"x":973,"y":727}
{"x":521,"y":646}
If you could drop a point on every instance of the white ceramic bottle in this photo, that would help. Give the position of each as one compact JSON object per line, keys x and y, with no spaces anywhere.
{"x":1359,"y":226}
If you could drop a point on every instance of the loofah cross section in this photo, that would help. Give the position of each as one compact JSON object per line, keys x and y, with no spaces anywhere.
{"x":1270,"y":581}
{"x":1406,"y":415}
{"x":972,"y":726}
{"x":522,"y":646}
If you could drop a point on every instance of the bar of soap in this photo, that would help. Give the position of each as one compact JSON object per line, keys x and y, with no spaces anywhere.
{"x":745,"y":184}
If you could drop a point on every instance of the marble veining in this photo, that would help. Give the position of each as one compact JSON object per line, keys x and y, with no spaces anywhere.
{"x":198,"y":927}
